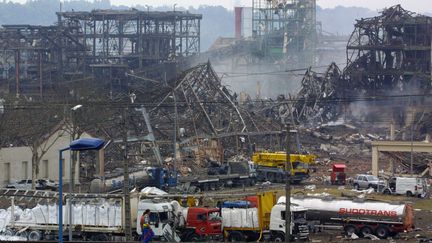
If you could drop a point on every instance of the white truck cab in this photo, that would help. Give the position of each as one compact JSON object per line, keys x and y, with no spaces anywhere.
{"x":161,"y":214}
{"x":299,"y":226}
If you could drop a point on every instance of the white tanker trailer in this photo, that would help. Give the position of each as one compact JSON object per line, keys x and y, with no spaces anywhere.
{"x":360,"y":217}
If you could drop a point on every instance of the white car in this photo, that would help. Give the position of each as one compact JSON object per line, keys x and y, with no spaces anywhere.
{"x":25,"y":184}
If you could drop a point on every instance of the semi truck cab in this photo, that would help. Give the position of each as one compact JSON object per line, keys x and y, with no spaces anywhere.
{"x":187,"y":224}
{"x":299,"y":226}
{"x":161,"y":214}
{"x":206,"y":222}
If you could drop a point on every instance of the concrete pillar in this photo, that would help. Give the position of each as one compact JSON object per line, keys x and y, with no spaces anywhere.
{"x":392,"y":131}
{"x":101,"y":161}
{"x":430,"y":168}
{"x":375,"y":161}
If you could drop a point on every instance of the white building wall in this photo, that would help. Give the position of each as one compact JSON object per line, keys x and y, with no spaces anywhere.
{"x":12,"y":159}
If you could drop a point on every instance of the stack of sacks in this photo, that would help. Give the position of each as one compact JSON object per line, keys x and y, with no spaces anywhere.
{"x":226,"y":217}
{"x":40,"y":213}
{"x":102,"y":214}
{"x":17,"y":213}
{"x":4,"y":219}
{"x":77,"y":212}
{"x":27,"y":217}
{"x":240,"y":217}
{"x":89,"y":215}
{"x":52,"y":214}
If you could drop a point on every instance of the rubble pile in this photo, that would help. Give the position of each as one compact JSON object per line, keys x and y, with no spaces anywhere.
{"x":381,"y":61}
{"x":210,"y":125}
{"x":384,"y":53}
{"x":317,"y":101}
{"x":421,"y":162}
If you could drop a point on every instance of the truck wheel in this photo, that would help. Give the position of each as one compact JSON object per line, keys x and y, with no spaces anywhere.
{"x":366,"y":230}
{"x":387,"y":192}
{"x":279,"y":237}
{"x":9,"y":232}
{"x":35,"y":235}
{"x":99,"y":237}
{"x":236,"y":236}
{"x":409,"y":194}
{"x":252,"y":182}
{"x":279,"y":178}
{"x":194,"y":238}
{"x":271,"y":177}
{"x":23,"y":234}
{"x":206,"y":187}
{"x":350,"y":229}
{"x":296,"y":182}
{"x":356,"y":186}
{"x":382,"y":232}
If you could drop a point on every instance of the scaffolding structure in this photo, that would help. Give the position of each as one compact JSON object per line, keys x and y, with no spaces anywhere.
{"x":132,"y":37}
{"x":103,"y":43}
{"x":390,"y":51}
{"x":287,"y":28}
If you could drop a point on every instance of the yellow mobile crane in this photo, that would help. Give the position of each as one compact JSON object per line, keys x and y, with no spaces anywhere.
{"x":270,"y":166}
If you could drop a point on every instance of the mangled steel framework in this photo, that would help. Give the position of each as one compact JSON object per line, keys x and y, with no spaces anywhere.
{"x":385,"y":52}
{"x":106,"y":42}
{"x":30,"y":55}
{"x":134,"y":37}
{"x":316,"y":101}
{"x":209,"y":123}
{"x":388,"y":76}
{"x":387,"y":55}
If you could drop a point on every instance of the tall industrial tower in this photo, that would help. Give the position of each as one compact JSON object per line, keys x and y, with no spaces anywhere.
{"x":286,"y":29}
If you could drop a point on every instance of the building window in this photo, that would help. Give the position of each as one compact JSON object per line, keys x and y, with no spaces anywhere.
{"x":8,"y":172}
{"x":25,"y":169}
{"x":45,"y":168}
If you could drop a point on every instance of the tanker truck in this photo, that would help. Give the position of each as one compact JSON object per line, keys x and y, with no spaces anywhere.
{"x":259,"y":218}
{"x":361,"y":217}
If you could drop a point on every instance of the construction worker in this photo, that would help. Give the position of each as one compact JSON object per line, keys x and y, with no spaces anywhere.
{"x":147,"y":232}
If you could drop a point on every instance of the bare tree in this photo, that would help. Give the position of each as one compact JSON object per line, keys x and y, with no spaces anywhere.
{"x":31,"y":124}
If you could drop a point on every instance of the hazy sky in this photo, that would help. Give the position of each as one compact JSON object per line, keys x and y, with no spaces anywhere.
{"x":412,"y":5}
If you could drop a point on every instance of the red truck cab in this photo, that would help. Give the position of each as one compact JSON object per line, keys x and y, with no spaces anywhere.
{"x":338,"y":176}
{"x":206,"y":222}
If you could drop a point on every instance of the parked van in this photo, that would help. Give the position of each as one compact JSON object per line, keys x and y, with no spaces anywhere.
{"x":410,"y":186}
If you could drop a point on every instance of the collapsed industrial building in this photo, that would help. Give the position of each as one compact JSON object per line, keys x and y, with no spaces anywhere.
{"x":150,"y":54}
{"x":103,"y":43}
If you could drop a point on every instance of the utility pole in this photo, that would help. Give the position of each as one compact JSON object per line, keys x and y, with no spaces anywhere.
{"x":175,"y":131}
{"x":288,"y":170}
{"x":126,"y":193}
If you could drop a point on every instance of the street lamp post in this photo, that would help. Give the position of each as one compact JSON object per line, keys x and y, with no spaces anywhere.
{"x":71,"y":162}
{"x":77,"y":145}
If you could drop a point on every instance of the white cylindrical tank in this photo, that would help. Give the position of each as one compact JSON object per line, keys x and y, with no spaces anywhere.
{"x":139,"y":177}
{"x":345,"y":207}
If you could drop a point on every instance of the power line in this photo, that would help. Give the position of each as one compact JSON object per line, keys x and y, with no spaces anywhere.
{"x":167,"y":104}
